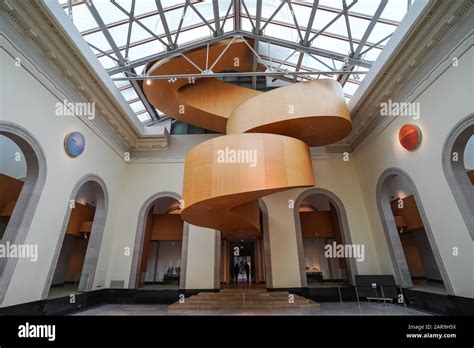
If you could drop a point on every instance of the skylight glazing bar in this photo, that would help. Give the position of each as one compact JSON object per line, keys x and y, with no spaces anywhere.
{"x":274,"y":14}
{"x":258,"y":20}
{"x":318,"y":51}
{"x":333,"y":20}
{"x":178,"y":31}
{"x":248,"y":15}
{"x":139,"y":23}
{"x":348,"y":25}
{"x":215,"y":8}
{"x":309,"y":27}
{"x":122,"y":61}
{"x":237,"y":74}
{"x":201,"y":16}
{"x":295,"y":20}
{"x":226,"y":16}
{"x":364,"y":38}
{"x":130,"y":24}
{"x":375,"y":44}
{"x":164,"y":23}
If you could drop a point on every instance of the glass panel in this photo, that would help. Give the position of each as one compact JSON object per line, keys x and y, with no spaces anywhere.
{"x":144,"y":117}
{"x":137,"y":106}
{"x":144,"y":50}
{"x":279,"y":31}
{"x":119,"y":34}
{"x":224,"y":6}
{"x":350,"y":88}
{"x":194,"y":34}
{"x":395,"y":10}
{"x":129,"y":94}
{"x":141,"y":7}
{"x":98,"y":39}
{"x":106,"y":62}
{"x":109,"y":12}
{"x":121,"y":83}
{"x":331,"y":44}
{"x":380,"y":31}
{"x":82,"y":18}
{"x":331,"y":3}
{"x":367,"y":7}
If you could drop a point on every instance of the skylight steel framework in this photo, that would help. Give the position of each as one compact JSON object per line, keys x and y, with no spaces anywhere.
{"x":249,"y":19}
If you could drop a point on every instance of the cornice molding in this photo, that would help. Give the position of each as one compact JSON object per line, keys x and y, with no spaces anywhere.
{"x":12,"y":49}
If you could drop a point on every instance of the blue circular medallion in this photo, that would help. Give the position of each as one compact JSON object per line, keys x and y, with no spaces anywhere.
{"x":74,"y":144}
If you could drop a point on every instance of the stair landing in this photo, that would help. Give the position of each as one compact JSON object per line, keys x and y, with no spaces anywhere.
{"x":249,"y":299}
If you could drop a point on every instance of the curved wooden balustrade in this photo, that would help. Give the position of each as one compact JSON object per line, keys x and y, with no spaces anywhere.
{"x":266,"y":147}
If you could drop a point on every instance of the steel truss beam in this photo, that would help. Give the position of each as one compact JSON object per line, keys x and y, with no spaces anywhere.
{"x":216,"y":24}
{"x":128,"y":72}
{"x":275,"y":41}
{"x":356,"y":54}
{"x":236,"y":74}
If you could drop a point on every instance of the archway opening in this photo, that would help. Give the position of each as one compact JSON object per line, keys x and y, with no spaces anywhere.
{"x":458,"y":166}
{"x":160,"y":264}
{"x":70,"y":275}
{"x":409,"y":240}
{"x":243,"y":254}
{"x":469,"y":158}
{"x":13,"y":173}
{"x":322,"y":237}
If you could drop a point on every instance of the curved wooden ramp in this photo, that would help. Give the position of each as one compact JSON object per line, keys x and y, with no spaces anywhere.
{"x":266,"y":147}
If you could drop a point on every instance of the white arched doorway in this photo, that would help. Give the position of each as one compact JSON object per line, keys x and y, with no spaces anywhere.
{"x":458,"y":166}
{"x":159,"y":255}
{"x":17,"y":208}
{"x":76,"y":256}
{"x":415,"y":256}
{"x":321,"y":220}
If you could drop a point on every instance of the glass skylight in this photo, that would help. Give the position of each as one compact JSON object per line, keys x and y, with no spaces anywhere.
{"x":344,"y":35}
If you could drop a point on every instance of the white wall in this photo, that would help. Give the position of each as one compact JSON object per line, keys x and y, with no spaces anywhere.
{"x":201,"y":258}
{"x":27,"y":103}
{"x":446,"y":101}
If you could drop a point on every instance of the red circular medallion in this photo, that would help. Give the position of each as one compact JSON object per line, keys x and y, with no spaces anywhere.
{"x":409,"y":136}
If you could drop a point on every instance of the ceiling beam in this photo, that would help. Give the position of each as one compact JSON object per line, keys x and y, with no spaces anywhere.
{"x":309,"y":49}
{"x":201,"y":16}
{"x":258,"y":20}
{"x":181,"y":49}
{"x":260,"y":38}
{"x":348,"y":65}
{"x":309,"y":27}
{"x":237,"y":17}
{"x":234,"y":74}
{"x":217,"y":24}
{"x":129,"y":72}
{"x":164,"y":23}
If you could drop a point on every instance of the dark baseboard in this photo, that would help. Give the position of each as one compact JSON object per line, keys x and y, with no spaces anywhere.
{"x":439,"y":304}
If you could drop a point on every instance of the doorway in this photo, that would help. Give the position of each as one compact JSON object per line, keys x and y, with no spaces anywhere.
{"x":74,"y":265}
{"x":414,"y":252}
{"x":160,"y":265}
{"x":321,"y":223}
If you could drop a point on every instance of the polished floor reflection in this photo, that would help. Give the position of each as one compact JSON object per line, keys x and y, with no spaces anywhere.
{"x":327,"y":308}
